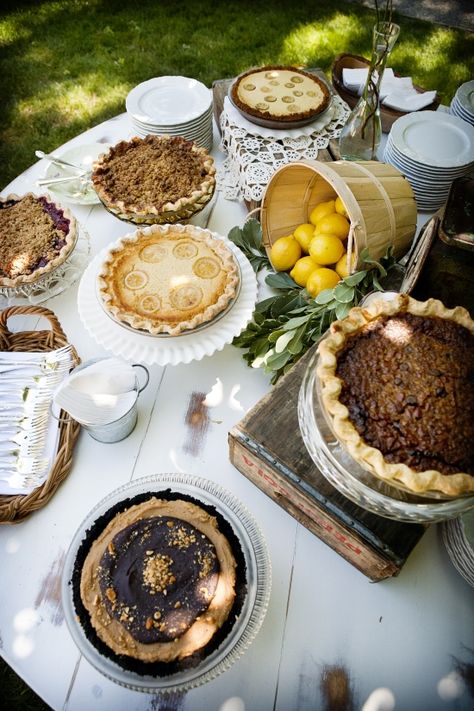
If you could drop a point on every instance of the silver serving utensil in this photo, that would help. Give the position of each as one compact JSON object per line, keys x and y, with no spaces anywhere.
{"x":59,"y":161}
{"x":82,"y":179}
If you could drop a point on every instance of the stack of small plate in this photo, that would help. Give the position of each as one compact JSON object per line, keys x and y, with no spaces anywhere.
{"x":462,"y":104}
{"x":173,"y":105}
{"x":458,"y":537}
{"x":431,"y":149}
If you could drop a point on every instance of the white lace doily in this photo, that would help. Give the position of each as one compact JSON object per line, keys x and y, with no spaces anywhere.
{"x":252,"y":158}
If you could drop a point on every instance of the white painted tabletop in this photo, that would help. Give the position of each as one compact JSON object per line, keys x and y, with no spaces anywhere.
{"x":405,"y":643}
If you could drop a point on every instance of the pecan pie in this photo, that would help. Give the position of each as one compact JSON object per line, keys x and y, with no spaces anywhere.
{"x":168,"y":278}
{"x":157,"y":179}
{"x":397,"y":382}
{"x":36,"y":236}
{"x":280,"y":93}
{"x":159,"y":581}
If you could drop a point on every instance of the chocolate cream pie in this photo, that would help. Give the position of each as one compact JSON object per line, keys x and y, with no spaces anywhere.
{"x":158,"y":581}
{"x":168,"y":278}
{"x":36,"y":236}
{"x":397,"y":383}
{"x":157,"y":179}
{"x":280,"y":93}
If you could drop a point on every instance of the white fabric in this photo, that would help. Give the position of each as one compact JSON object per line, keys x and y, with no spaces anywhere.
{"x":98,"y":393}
{"x":396,"y":92}
{"x":409,"y":101}
{"x":252,"y":158}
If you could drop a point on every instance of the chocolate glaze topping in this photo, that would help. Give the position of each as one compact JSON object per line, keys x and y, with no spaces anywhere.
{"x":408,"y":383}
{"x":157,"y":577}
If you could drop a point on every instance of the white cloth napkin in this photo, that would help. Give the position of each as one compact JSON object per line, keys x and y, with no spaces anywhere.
{"x":409,"y":100}
{"x":396,"y":92}
{"x":98,"y":393}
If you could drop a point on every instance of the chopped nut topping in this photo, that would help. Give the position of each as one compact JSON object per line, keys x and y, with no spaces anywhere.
{"x":157,"y":573}
{"x":111,"y":594}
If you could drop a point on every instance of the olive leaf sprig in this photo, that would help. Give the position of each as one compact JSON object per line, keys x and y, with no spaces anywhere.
{"x":249,"y":239}
{"x":284,"y":326}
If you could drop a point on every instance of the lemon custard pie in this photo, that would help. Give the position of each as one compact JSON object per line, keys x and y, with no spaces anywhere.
{"x":168,"y":278}
{"x":280,"y":93}
{"x":397,"y":384}
{"x":36,"y":236}
{"x":156,"y":179}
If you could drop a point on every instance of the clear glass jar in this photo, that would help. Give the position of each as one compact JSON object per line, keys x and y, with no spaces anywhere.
{"x":360,"y":137}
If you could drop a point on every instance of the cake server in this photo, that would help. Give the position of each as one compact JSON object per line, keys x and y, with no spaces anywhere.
{"x":60,"y":161}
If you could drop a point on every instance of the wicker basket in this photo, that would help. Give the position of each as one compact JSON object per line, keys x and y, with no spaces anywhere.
{"x":378,"y":199}
{"x":14,"y":509}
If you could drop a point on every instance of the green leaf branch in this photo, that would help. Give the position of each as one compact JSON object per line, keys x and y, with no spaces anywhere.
{"x":286,"y":324}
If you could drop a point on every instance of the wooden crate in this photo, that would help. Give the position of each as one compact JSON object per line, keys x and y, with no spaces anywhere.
{"x":266,"y":446}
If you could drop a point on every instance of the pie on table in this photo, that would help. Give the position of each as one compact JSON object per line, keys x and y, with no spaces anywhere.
{"x":36,"y":236}
{"x":159,"y":581}
{"x":168,"y":278}
{"x":280,"y":93}
{"x":397,"y":383}
{"x":157,"y":179}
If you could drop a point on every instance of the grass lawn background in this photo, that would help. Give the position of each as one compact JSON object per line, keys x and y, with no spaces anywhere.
{"x":66,"y":65}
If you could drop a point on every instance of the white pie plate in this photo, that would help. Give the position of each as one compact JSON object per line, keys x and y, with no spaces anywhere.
{"x":155,"y":350}
{"x":168,"y":100}
{"x":434,"y":138}
{"x":250,"y":617}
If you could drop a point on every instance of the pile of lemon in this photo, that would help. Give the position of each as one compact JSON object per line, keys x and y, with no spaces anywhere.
{"x":315,"y":254}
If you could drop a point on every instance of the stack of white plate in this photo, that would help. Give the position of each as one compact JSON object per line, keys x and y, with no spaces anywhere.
{"x":431,"y":149}
{"x":173,"y":105}
{"x":462,"y":104}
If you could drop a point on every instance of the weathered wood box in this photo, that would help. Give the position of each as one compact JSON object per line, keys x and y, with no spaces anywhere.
{"x":266,"y":446}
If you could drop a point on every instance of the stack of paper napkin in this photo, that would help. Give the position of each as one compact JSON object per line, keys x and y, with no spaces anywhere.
{"x":396,"y":92}
{"x":98,"y":392}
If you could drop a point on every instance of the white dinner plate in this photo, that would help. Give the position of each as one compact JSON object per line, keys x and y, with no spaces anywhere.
{"x":434,"y":138}
{"x":84,"y":156}
{"x":195,"y":123}
{"x":168,"y":100}
{"x":175,"y":349}
{"x":418,"y":167}
{"x":465,"y":97}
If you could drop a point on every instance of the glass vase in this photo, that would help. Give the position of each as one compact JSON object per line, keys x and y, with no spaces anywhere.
{"x":360,"y":137}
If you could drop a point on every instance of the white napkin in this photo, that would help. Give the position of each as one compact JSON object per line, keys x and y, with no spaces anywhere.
{"x":98,"y":393}
{"x":409,"y":100}
{"x":354,"y":79}
{"x":396,"y":92}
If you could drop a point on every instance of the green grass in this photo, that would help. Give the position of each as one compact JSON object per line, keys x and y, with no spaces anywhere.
{"x":66,"y":65}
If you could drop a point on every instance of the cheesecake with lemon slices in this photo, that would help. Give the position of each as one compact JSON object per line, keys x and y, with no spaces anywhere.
{"x":280,"y":93}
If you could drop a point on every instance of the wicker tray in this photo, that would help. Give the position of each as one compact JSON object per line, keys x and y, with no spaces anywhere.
{"x":14,"y":509}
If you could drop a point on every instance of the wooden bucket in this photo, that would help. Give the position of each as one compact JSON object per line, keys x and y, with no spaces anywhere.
{"x":378,"y":199}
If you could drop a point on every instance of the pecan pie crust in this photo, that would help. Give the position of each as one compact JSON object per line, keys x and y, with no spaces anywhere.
{"x":37,"y":235}
{"x":280,"y":93}
{"x":397,"y":385}
{"x":168,"y":278}
{"x":156,"y":179}
{"x":159,"y":581}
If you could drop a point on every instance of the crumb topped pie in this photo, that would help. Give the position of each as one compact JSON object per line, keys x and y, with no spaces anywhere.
{"x":168,"y":278}
{"x":159,"y":581}
{"x":157,"y":179}
{"x":280,"y":93}
{"x":397,"y":383}
{"x":36,"y":236}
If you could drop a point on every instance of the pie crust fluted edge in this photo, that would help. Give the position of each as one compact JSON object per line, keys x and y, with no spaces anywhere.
{"x":371,"y":458}
{"x":229,"y":265}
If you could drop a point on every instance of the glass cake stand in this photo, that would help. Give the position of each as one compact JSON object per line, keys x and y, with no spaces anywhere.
{"x":257,"y":584}
{"x":357,"y":483}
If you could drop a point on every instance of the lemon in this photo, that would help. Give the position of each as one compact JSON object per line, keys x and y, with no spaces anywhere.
{"x":284,"y":253}
{"x":304,"y":234}
{"x":341,"y":266}
{"x":303,"y":269}
{"x":320,"y":279}
{"x":321,"y":210}
{"x":334,"y":224}
{"x":340,"y":207}
{"x":326,"y":249}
